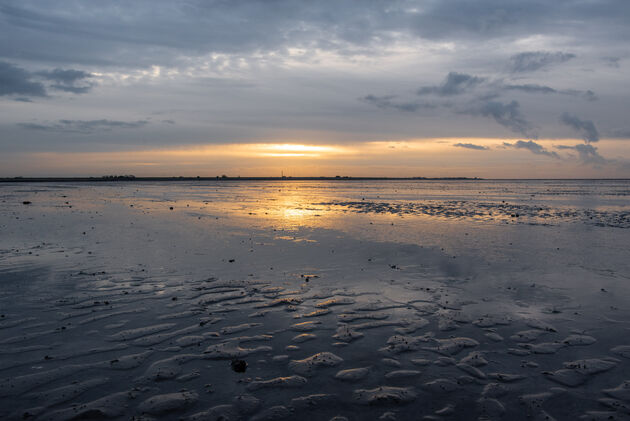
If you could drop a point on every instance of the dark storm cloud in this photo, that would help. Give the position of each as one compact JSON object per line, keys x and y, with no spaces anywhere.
{"x":387,"y":101}
{"x":534,"y":60}
{"x":471,"y":146}
{"x":587,"y":153}
{"x":533,"y":147}
{"x":17,"y":81}
{"x":454,"y":84}
{"x":84,"y":126}
{"x":585,"y":127}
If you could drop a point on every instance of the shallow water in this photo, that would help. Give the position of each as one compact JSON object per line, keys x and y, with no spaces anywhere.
{"x":358,"y":299}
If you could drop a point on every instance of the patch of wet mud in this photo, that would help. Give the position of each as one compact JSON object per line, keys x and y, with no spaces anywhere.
{"x":378,"y":333}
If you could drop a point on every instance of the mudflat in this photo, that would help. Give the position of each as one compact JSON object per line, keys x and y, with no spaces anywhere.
{"x":463,"y":299}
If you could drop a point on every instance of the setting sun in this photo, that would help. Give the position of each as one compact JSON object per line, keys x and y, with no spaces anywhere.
{"x":296,"y":150}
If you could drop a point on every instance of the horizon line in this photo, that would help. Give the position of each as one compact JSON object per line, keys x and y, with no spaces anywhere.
{"x":131,"y":178}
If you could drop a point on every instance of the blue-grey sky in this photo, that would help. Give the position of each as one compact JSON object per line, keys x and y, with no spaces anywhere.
{"x":492,"y":88}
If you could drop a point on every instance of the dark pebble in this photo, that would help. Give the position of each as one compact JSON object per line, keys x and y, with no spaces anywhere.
{"x":239,"y":366}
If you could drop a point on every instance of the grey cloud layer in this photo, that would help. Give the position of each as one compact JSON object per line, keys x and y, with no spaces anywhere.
{"x":15,"y":80}
{"x":41,"y":30}
{"x":84,"y":126}
{"x":390,"y":101}
{"x":535,"y":60}
{"x":455,"y":84}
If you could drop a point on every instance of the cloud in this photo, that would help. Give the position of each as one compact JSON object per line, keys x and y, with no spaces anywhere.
{"x":506,"y":114}
{"x":17,"y":81}
{"x":532,"y":88}
{"x":588,"y":153}
{"x":485,"y":101}
{"x":67,"y":79}
{"x":454,"y":84}
{"x":471,"y":146}
{"x":386,"y":102}
{"x":585,"y":127}
{"x":533,"y":147}
{"x":84,"y":126}
{"x":531,"y":61}
{"x":97,"y":35}
{"x":64,"y":76}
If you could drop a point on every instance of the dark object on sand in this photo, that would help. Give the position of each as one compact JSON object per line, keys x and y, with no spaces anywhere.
{"x":171,"y":208}
{"x":26,"y":202}
{"x":239,"y":366}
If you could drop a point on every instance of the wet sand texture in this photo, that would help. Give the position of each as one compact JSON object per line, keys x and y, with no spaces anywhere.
{"x":338,"y":301}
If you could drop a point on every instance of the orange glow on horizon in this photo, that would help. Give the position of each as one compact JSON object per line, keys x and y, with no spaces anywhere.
{"x":436,"y":157}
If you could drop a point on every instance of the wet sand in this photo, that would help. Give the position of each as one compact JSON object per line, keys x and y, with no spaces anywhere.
{"x":315,"y":300}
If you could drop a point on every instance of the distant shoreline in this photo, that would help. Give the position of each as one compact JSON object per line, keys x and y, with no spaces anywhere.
{"x":131,"y":179}
{"x":218,"y":178}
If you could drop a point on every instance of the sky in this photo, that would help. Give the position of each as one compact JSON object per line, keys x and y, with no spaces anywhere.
{"x":434,"y":88}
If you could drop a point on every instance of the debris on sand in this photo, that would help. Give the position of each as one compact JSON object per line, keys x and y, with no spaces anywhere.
{"x":239,"y":366}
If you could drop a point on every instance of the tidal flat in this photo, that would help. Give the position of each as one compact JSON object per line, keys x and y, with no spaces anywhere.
{"x":315,"y":300}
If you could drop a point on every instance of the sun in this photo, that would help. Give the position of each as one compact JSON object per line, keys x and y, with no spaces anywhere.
{"x":296,"y":150}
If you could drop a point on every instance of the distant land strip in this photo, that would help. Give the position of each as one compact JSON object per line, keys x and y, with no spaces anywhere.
{"x":127,"y":178}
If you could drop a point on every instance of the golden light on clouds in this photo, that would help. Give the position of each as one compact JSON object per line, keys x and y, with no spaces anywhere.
{"x":298,"y":150}
{"x":390,"y":158}
{"x":247,"y":150}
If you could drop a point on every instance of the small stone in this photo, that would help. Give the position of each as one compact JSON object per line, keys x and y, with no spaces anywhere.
{"x":239,"y":366}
